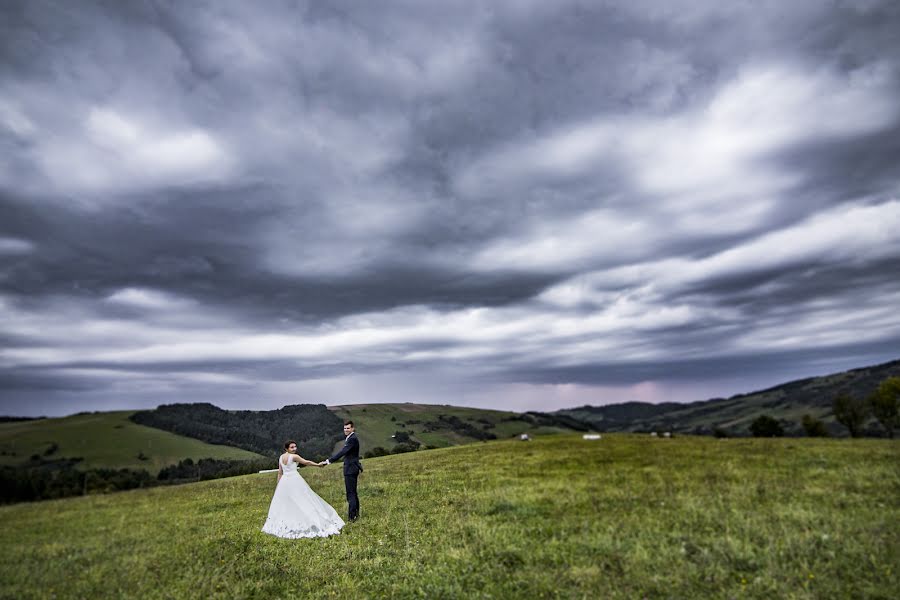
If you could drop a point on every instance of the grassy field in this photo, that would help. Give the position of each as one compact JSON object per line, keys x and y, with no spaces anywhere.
{"x":625,"y":517}
{"x":105,"y":440}
{"x":375,"y":427}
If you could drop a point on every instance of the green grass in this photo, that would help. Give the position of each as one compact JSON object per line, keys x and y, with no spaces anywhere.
{"x":105,"y":440}
{"x":374,"y":425}
{"x":625,"y":517}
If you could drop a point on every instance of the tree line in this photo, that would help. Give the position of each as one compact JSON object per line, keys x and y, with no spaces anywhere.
{"x":315,"y":428}
{"x":42,"y":479}
{"x":850,"y":411}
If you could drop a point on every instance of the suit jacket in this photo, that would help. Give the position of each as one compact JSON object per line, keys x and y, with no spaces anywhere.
{"x":350,"y":453}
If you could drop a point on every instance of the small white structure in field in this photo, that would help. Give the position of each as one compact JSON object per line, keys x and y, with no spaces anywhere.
{"x":667,"y":434}
{"x":525,"y":437}
{"x":653,"y":434}
{"x":591,"y":436}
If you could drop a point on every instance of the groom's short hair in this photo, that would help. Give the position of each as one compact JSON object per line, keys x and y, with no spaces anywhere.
{"x":350,"y":423}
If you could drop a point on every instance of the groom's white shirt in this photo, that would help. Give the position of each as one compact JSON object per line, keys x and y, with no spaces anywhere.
{"x":327,"y":461}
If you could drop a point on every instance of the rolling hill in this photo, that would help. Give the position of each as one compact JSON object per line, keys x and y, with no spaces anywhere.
{"x":626,"y":517}
{"x":315,"y":428}
{"x":161,"y":437}
{"x":114,"y":440}
{"x":787,"y":402}
{"x":439,"y":426}
{"x":108,"y":439}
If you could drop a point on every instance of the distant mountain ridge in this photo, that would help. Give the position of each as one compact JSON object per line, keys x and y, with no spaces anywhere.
{"x":787,"y":402}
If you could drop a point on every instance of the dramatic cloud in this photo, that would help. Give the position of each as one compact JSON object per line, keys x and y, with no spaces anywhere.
{"x":507,"y":204}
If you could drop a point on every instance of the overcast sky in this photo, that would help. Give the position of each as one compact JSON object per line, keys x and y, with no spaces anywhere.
{"x":524,"y":205}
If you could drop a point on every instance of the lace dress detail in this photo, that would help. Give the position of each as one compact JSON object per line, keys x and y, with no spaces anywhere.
{"x":297,"y":511}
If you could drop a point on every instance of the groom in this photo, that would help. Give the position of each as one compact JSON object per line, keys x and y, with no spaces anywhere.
{"x":352,"y":467}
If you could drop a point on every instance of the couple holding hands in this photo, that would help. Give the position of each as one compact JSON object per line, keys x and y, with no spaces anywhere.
{"x":296,"y":510}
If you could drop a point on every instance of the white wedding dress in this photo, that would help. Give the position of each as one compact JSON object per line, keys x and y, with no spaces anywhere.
{"x":296,"y":510}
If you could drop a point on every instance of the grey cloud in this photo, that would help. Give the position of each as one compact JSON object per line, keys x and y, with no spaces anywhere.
{"x":771,"y":366}
{"x":311,"y":167}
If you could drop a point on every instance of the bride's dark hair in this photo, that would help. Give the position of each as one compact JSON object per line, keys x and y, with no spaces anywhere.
{"x":288,"y":443}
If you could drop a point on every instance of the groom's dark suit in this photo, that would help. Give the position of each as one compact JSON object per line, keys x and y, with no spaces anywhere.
{"x":352,"y":469}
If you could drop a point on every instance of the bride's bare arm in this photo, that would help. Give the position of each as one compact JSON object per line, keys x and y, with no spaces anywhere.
{"x":280,"y":472}
{"x":308,"y":463}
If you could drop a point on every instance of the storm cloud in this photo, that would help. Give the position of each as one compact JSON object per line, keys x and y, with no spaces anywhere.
{"x":521,"y":205}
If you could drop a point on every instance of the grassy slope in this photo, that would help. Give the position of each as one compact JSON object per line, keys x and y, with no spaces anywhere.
{"x":788,"y":401}
{"x":106,"y":440}
{"x":375,"y":428}
{"x":739,"y":413}
{"x":626,"y":517}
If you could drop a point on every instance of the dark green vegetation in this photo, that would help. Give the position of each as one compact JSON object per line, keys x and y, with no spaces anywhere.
{"x":315,"y":428}
{"x":103,"y":452}
{"x":851,"y":412}
{"x":439,"y":426}
{"x":625,"y":517}
{"x":813,"y":427}
{"x":107,"y":452}
{"x":788,"y":403}
{"x":884,"y":404}
{"x":42,"y":479}
{"x":49,"y":479}
{"x":7,"y":419}
{"x":104,"y":440}
{"x":766,"y":426}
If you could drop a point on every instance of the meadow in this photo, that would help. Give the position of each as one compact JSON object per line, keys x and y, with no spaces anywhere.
{"x":628,"y":516}
{"x":107,"y":439}
{"x":376,"y":423}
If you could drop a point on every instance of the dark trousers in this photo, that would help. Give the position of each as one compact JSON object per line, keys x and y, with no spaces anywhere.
{"x":352,"y":498}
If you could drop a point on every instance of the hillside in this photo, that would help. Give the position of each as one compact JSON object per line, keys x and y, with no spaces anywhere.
{"x":626,"y":517}
{"x":787,"y":402}
{"x":171,"y":433}
{"x":106,"y":439}
{"x":440,"y":426}
{"x":315,"y":428}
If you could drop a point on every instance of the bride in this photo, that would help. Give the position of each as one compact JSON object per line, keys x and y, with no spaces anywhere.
{"x":297,"y":511}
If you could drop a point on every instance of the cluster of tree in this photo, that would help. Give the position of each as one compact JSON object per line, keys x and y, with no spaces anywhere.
{"x":457,"y":425}
{"x":210,"y":468}
{"x":540,"y":419}
{"x":766,"y":426}
{"x":852,"y":411}
{"x":41,"y":479}
{"x":814,"y":427}
{"x":8,"y":419}
{"x":47,"y":479}
{"x":315,"y":428}
{"x":402,"y":437}
{"x":401,"y":448}
{"x":377,"y":451}
{"x":405,"y":443}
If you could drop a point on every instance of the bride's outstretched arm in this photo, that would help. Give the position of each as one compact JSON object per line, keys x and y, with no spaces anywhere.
{"x":308,"y":463}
